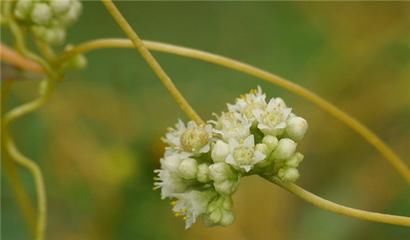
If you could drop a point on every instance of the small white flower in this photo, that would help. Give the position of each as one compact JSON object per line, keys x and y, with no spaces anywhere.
{"x":170,"y":183}
{"x":169,"y":179}
{"x":173,"y":136}
{"x":243,"y":154}
{"x":192,"y":204}
{"x":172,"y":160}
{"x":196,"y":139}
{"x":191,"y":138}
{"x":232,"y":125}
{"x":272,"y":119}
{"x":248,"y":103}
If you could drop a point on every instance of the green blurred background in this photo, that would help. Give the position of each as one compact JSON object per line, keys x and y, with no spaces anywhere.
{"x":98,"y":138}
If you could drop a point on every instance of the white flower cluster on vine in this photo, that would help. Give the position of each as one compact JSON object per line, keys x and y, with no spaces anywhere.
{"x":203,"y":164}
{"x":48,"y":19}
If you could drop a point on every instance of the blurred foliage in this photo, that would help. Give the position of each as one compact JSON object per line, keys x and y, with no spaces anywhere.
{"x":98,"y":138}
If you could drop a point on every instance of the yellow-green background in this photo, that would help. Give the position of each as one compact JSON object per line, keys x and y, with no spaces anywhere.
{"x":98,"y":138}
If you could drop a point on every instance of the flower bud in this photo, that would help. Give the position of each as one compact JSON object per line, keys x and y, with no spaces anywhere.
{"x":188,"y":168}
{"x":22,"y":8}
{"x":54,"y":35}
{"x":226,"y":187}
{"x":220,"y":171}
{"x":220,"y":151}
{"x":215,"y":216}
{"x":41,"y":13}
{"x":294,"y":160}
{"x":296,"y":128}
{"x":203,"y":173}
{"x":263,"y":148}
{"x":60,"y":6}
{"x":288,"y":174}
{"x":227,"y":218}
{"x":285,"y":149}
{"x":270,"y":141}
{"x":72,"y":14}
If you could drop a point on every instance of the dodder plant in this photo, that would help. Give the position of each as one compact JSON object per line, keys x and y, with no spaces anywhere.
{"x":203,"y":162}
{"x":203,"y":165}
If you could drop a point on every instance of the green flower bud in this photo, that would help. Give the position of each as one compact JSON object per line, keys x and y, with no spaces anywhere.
{"x":227,"y":218}
{"x":188,"y":168}
{"x":270,"y":141}
{"x":220,"y":172}
{"x":226,"y":187}
{"x":203,"y":173}
{"x":72,"y":14}
{"x":60,"y":6}
{"x":41,"y":13}
{"x":288,"y":174}
{"x":263,"y":148}
{"x":23,"y":8}
{"x":294,"y":160}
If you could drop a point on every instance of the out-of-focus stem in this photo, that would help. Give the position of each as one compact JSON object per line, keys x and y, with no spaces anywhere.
{"x":25,"y":162}
{"x":340,"y":209}
{"x":354,"y":124}
{"x":152,"y":62}
{"x":9,"y":56}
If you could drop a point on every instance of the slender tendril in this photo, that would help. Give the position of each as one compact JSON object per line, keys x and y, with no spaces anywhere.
{"x":10,"y":167}
{"x":328,"y":107}
{"x":340,"y":209}
{"x":46,"y":87}
{"x":139,"y":45}
{"x":25,"y":162}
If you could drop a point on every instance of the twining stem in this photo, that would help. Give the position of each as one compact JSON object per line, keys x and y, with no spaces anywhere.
{"x":10,"y":168}
{"x":45,"y":90}
{"x":233,"y":64}
{"x":354,"y":124}
{"x":152,"y":62}
{"x":46,"y":87}
{"x":340,"y":209}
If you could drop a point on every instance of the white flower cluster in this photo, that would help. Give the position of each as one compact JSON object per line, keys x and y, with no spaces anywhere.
{"x":202,"y":165}
{"x":48,"y":19}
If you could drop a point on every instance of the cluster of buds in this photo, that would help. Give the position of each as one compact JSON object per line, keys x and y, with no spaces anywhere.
{"x":203,"y":164}
{"x":48,"y":19}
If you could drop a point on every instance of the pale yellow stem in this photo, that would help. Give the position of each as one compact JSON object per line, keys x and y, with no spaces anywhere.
{"x":139,"y":45}
{"x":340,"y":209}
{"x":354,"y":124}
